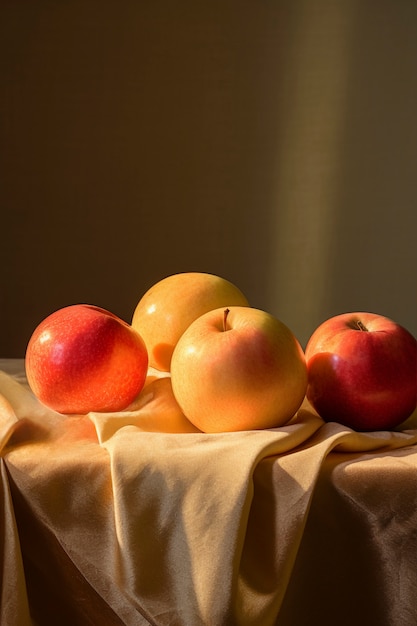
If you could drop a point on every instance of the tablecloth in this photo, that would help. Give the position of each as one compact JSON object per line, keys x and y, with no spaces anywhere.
{"x":137,"y":518}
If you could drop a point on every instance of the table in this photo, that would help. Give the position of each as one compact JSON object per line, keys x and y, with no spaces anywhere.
{"x":137,"y":519}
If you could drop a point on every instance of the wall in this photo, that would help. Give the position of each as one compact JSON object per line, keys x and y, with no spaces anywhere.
{"x":273,"y":143}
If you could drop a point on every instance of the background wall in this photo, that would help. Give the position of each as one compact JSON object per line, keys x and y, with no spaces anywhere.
{"x":273,"y":143}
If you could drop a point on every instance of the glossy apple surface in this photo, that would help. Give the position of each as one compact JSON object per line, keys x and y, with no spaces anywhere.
{"x":238,"y":369}
{"x":362,"y":371}
{"x":167,"y":309}
{"x":83,"y":358}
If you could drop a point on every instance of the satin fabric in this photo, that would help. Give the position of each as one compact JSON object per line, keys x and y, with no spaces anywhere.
{"x":138,"y":518}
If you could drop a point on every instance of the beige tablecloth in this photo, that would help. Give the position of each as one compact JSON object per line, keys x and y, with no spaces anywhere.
{"x":136,"y":518}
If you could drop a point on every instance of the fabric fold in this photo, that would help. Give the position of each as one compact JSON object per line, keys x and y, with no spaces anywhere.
{"x":14,"y":606}
{"x":167,"y":525}
{"x":168,"y":489}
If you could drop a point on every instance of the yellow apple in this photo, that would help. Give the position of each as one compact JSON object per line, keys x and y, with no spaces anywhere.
{"x":167,"y":309}
{"x":238,"y":368}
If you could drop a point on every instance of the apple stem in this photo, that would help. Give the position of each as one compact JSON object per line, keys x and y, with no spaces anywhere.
{"x":360,"y":326}
{"x":226,"y":313}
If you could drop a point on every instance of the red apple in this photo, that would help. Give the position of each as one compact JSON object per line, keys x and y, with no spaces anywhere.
{"x":362,"y":371}
{"x":166,"y":310}
{"x":83,"y":358}
{"x":238,"y":368}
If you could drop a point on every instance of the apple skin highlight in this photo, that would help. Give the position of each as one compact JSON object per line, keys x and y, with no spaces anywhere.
{"x":242,"y":371}
{"x":83,"y":358}
{"x":166,"y":310}
{"x":362,"y":371}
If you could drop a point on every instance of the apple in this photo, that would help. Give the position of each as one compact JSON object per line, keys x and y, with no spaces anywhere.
{"x":83,"y":358}
{"x":362,"y":371}
{"x":238,"y":368}
{"x":167,"y":309}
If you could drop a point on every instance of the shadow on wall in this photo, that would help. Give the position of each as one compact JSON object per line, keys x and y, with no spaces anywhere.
{"x":346,"y":226}
{"x":374,"y":255}
{"x":137,"y":142}
{"x":271,"y":143}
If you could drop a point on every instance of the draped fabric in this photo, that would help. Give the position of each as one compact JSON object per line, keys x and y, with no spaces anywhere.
{"x":137,"y":518}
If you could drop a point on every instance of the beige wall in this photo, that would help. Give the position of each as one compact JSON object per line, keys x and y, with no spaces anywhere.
{"x":273,"y":143}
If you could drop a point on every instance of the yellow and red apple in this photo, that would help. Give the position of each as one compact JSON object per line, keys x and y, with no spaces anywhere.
{"x":83,"y":358}
{"x":362,"y":371}
{"x":167,"y":309}
{"x":238,"y":368}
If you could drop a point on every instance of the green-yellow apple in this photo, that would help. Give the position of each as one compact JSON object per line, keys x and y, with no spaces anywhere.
{"x":362,"y":371}
{"x":167,"y":309}
{"x":83,"y":358}
{"x":238,"y":368}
